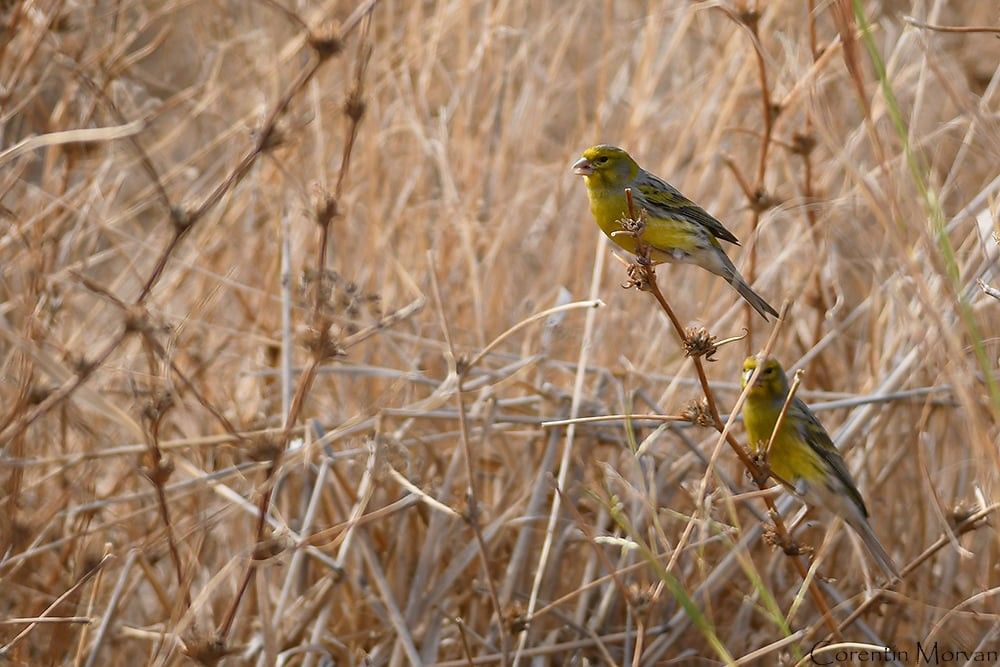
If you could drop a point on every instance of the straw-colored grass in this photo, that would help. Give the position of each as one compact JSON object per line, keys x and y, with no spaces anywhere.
{"x":291,"y":256}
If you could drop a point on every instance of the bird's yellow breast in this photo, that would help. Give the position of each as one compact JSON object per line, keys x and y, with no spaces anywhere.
{"x":791,"y":458}
{"x":609,"y":207}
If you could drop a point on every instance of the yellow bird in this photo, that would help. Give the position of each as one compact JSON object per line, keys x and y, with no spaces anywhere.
{"x":677,"y":230}
{"x":803,"y":456}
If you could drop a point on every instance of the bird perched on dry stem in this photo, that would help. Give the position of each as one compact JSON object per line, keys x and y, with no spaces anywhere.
{"x":675,"y":228}
{"x":802,"y":455}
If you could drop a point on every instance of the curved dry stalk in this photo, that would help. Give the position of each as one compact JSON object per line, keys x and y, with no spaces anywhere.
{"x":643,"y":276}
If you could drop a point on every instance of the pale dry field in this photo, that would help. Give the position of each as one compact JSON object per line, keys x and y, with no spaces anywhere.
{"x":291,"y":255}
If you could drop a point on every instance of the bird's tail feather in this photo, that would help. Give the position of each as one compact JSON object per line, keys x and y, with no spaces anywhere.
{"x":875,"y":548}
{"x":755,"y":300}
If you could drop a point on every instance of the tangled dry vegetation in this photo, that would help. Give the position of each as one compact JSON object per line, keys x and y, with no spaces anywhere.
{"x":299,"y":256}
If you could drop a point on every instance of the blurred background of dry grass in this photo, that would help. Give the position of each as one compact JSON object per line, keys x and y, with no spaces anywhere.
{"x":473,"y":113}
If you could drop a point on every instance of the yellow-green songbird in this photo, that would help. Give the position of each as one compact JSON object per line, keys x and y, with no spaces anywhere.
{"x":677,"y":229}
{"x":803,"y":455}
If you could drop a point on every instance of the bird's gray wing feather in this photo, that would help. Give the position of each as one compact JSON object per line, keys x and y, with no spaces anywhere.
{"x":815,"y":435}
{"x":662,"y":200}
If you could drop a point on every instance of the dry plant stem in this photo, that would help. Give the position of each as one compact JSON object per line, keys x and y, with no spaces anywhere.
{"x":784,"y":411}
{"x":472,"y":500}
{"x":448,"y":86}
{"x":32,"y":623}
{"x":971,"y":523}
{"x":805,"y":144}
{"x":95,"y":592}
{"x":808,"y":193}
{"x":558,"y":648}
{"x":109,"y":613}
{"x":565,"y":460}
{"x":608,"y":565}
{"x":157,"y":472}
{"x":650,"y":285}
{"x":320,"y":324}
{"x":472,"y":363}
{"x":183,"y":221}
{"x":749,"y":21}
{"x":137,"y":321}
{"x":607,"y":418}
{"x":952,"y":28}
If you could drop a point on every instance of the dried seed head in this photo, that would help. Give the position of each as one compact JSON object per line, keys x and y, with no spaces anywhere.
{"x":269,"y":137}
{"x":750,"y":17}
{"x":698,"y":342}
{"x":326,"y":41}
{"x":160,"y":472}
{"x":207,"y":651}
{"x":762,"y":201}
{"x":696,"y":412}
{"x":158,"y":406}
{"x":803,"y":144}
{"x":323,"y":343}
{"x":641,"y":275}
{"x":37,"y":394}
{"x":758,"y":456}
{"x":83,"y":366}
{"x":640,"y":596}
{"x":391,"y":455}
{"x":771,"y":538}
{"x":324,"y":205}
{"x":270,"y":547}
{"x":263,"y":448}
{"x":137,"y":319}
{"x":355,"y":106}
{"x":514,"y":617}
{"x":181,"y":219}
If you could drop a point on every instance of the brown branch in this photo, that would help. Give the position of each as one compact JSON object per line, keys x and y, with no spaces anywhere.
{"x":472,"y":500}
{"x":969,"y":523}
{"x":952,"y":28}
{"x":646,"y":281}
{"x":323,"y":345}
{"x":749,"y":20}
{"x":325,"y":46}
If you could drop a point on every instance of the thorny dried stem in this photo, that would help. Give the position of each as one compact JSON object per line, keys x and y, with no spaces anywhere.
{"x":757,"y":197}
{"x":472,"y":498}
{"x":321,"y":352}
{"x":796,"y":381}
{"x":649,"y":282}
{"x":182,"y":220}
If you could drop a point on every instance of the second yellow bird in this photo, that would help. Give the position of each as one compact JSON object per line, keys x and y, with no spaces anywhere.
{"x":677,"y":230}
{"x":803,"y":455}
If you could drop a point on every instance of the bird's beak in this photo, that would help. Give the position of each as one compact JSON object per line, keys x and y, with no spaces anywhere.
{"x":747,"y":374}
{"x":582,"y":167}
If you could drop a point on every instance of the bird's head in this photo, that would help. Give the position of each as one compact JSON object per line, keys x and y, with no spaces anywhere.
{"x":772,"y":383}
{"x":606,"y":166}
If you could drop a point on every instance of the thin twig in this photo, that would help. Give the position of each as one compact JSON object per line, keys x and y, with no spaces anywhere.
{"x":952,"y":28}
{"x":472,"y":499}
{"x":647,"y":282}
{"x":784,"y":411}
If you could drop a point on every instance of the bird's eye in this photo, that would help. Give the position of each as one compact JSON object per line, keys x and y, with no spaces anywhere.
{"x":767,"y":371}
{"x":601,"y":160}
